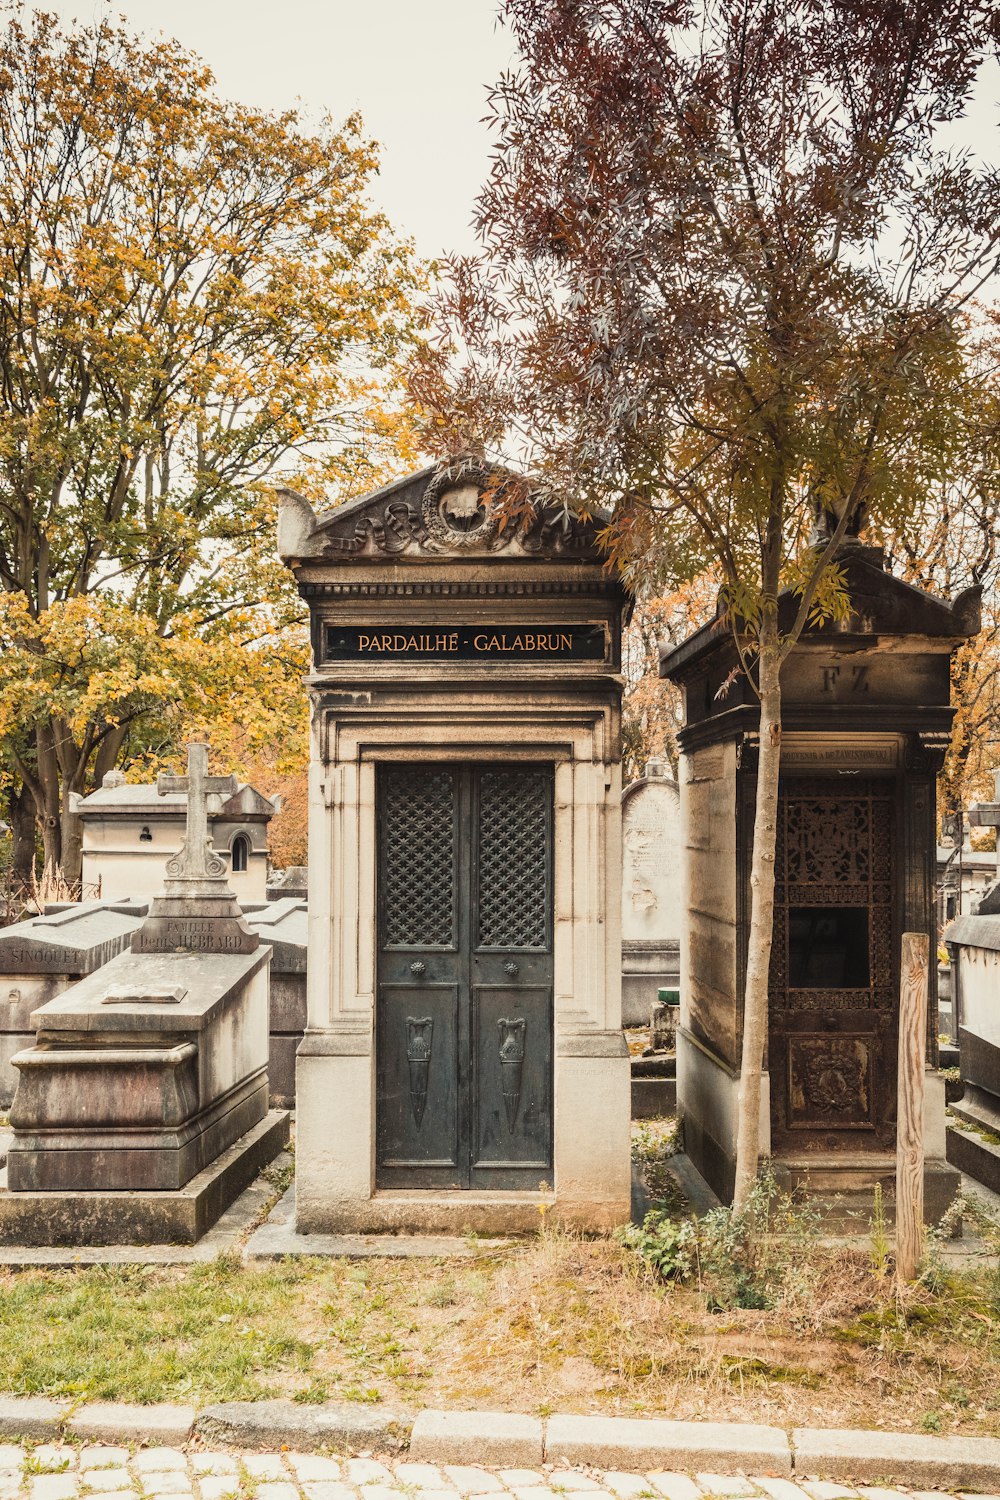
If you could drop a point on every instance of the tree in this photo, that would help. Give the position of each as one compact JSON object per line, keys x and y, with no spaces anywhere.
{"x":653,"y":710}
{"x":194,"y":296}
{"x":950,"y":541}
{"x":726,"y":292}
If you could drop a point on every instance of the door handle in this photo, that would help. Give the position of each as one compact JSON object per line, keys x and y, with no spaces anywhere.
{"x":511,"y":968}
{"x":418,"y":968}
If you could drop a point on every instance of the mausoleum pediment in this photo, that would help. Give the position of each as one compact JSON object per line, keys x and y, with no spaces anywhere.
{"x":463,"y":509}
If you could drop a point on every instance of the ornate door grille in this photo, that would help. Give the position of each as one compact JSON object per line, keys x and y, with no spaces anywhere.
{"x":419,"y":865}
{"x":832,"y":1035}
{"x":464,"y":1007}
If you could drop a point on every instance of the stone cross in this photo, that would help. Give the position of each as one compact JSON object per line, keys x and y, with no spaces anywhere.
{"x":196,"y":859}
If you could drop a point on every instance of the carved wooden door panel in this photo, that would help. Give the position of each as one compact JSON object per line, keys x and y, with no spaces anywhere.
{"x":833,"y":1021}
{"x":464,"y":1006}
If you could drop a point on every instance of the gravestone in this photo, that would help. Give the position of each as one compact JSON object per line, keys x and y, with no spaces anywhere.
{"x":42,"y":956}
{"x":290,"y":882}
{"x":987,"y":815}
{"x":652,"y":891}
{"x":141,"y":1110}
{"x":283,"y":925}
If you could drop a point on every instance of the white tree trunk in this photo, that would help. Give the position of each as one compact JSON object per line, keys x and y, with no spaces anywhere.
{"x":761,"y":917}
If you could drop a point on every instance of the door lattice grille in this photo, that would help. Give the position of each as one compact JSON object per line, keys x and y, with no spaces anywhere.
{"x":834,"y":849}
{"x":419,"y":858}
{"x":513,"y":863}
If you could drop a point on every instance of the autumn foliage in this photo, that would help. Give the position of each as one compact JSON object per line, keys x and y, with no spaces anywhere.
{"x":195,"y":297}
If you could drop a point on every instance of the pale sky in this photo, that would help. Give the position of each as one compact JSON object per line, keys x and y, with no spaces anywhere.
{"x":418,"y":70}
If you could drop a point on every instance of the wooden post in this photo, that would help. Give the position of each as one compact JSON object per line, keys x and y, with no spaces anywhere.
{"x":910,"y":1111}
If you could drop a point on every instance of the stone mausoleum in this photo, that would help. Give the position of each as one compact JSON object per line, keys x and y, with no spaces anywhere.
{"x":463,"y":1064}
{"x":866,"y":723}
{"x":130,"y":830}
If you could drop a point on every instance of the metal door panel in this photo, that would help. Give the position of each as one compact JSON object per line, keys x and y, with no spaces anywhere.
{"x":512,"y":1042}
{"x":417,"y":1044}
{"x":832,"y":1026}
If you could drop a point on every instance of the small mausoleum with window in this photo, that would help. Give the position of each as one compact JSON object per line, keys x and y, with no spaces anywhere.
{"x":464,"y":1064}
{"x":866,"y":721}
{"x":130,"y":830}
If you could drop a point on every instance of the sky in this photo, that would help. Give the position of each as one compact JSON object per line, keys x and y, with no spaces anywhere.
{"x":418,"y":70}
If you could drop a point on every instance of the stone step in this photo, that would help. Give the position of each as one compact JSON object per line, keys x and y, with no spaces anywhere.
{"x":978,"y":1158}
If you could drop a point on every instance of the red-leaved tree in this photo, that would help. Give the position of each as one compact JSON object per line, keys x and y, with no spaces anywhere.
{"x":727,"y":291}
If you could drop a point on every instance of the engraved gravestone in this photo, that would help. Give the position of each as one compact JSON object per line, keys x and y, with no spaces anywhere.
{"x":42,"y":956}
{"x":651,"y":891}
{"x":172,"y":1040}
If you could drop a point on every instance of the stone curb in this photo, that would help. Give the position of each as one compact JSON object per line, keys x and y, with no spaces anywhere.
{"x":276,"y":1424}
{"x":477,"y":1437}
{"x":945,"y":1463}
{"x":633,"y":1442}
{"x":110,"y":1422}
{"x":31,"y":1417}
{"x":507,"y":1440}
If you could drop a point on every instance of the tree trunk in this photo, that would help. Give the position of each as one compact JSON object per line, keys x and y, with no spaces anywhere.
{"x":71,"y":845}
{"x":22,"y":823}
{"x":755,"y":1008}
{"x":49,"y":807}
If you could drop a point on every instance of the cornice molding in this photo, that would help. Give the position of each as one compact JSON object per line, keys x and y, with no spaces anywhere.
{"x":493,"y":588}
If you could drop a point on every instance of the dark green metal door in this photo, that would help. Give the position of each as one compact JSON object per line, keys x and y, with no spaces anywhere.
{"x":464,"y":1004}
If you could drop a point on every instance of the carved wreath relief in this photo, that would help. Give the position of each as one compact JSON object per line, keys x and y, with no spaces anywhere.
{"x":454,"y":509}
{"x":830,"y":1083}
{"x":456,"y":513}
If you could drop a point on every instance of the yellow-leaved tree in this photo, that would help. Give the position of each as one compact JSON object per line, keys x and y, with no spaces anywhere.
{"x":195,"y":296}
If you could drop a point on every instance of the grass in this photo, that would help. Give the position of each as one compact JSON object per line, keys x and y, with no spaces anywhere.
{"x":556,"y":1323}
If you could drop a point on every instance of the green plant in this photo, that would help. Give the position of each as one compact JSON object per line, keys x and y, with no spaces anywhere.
{"x":668,"y":1246}
{"x":760,"y":1256}
{"x":879,"y":1237}
{"x":654,"y":1142}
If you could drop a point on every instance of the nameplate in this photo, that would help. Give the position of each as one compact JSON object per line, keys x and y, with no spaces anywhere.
{"x":467,"y":643}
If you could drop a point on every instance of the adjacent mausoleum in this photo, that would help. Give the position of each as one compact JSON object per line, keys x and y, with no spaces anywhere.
{"x":463,"y":1064}
{"x":130,"y":831}
{"x":866,"y":723}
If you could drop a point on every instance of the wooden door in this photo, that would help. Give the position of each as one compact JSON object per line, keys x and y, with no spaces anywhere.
{"x":464,"y":1001}
{"x":833,"y":1012}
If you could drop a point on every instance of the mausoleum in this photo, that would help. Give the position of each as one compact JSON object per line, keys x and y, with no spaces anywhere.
{"x":463,"y":1064}
{"x":866,"y":722}
{"x":130,"y":830}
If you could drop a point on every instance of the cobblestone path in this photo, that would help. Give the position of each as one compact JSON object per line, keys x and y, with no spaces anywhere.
{"x":64,"y":1471}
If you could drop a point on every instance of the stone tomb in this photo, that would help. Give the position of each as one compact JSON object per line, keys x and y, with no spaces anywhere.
{"x":282,"y":925}
{"x":974,"y":945}
{"x":866,"y":723}
{"x":463,"y":1065}
{"x":651,"y":891}
{"x":141,"y":1110}
{"x":42,"y":956}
